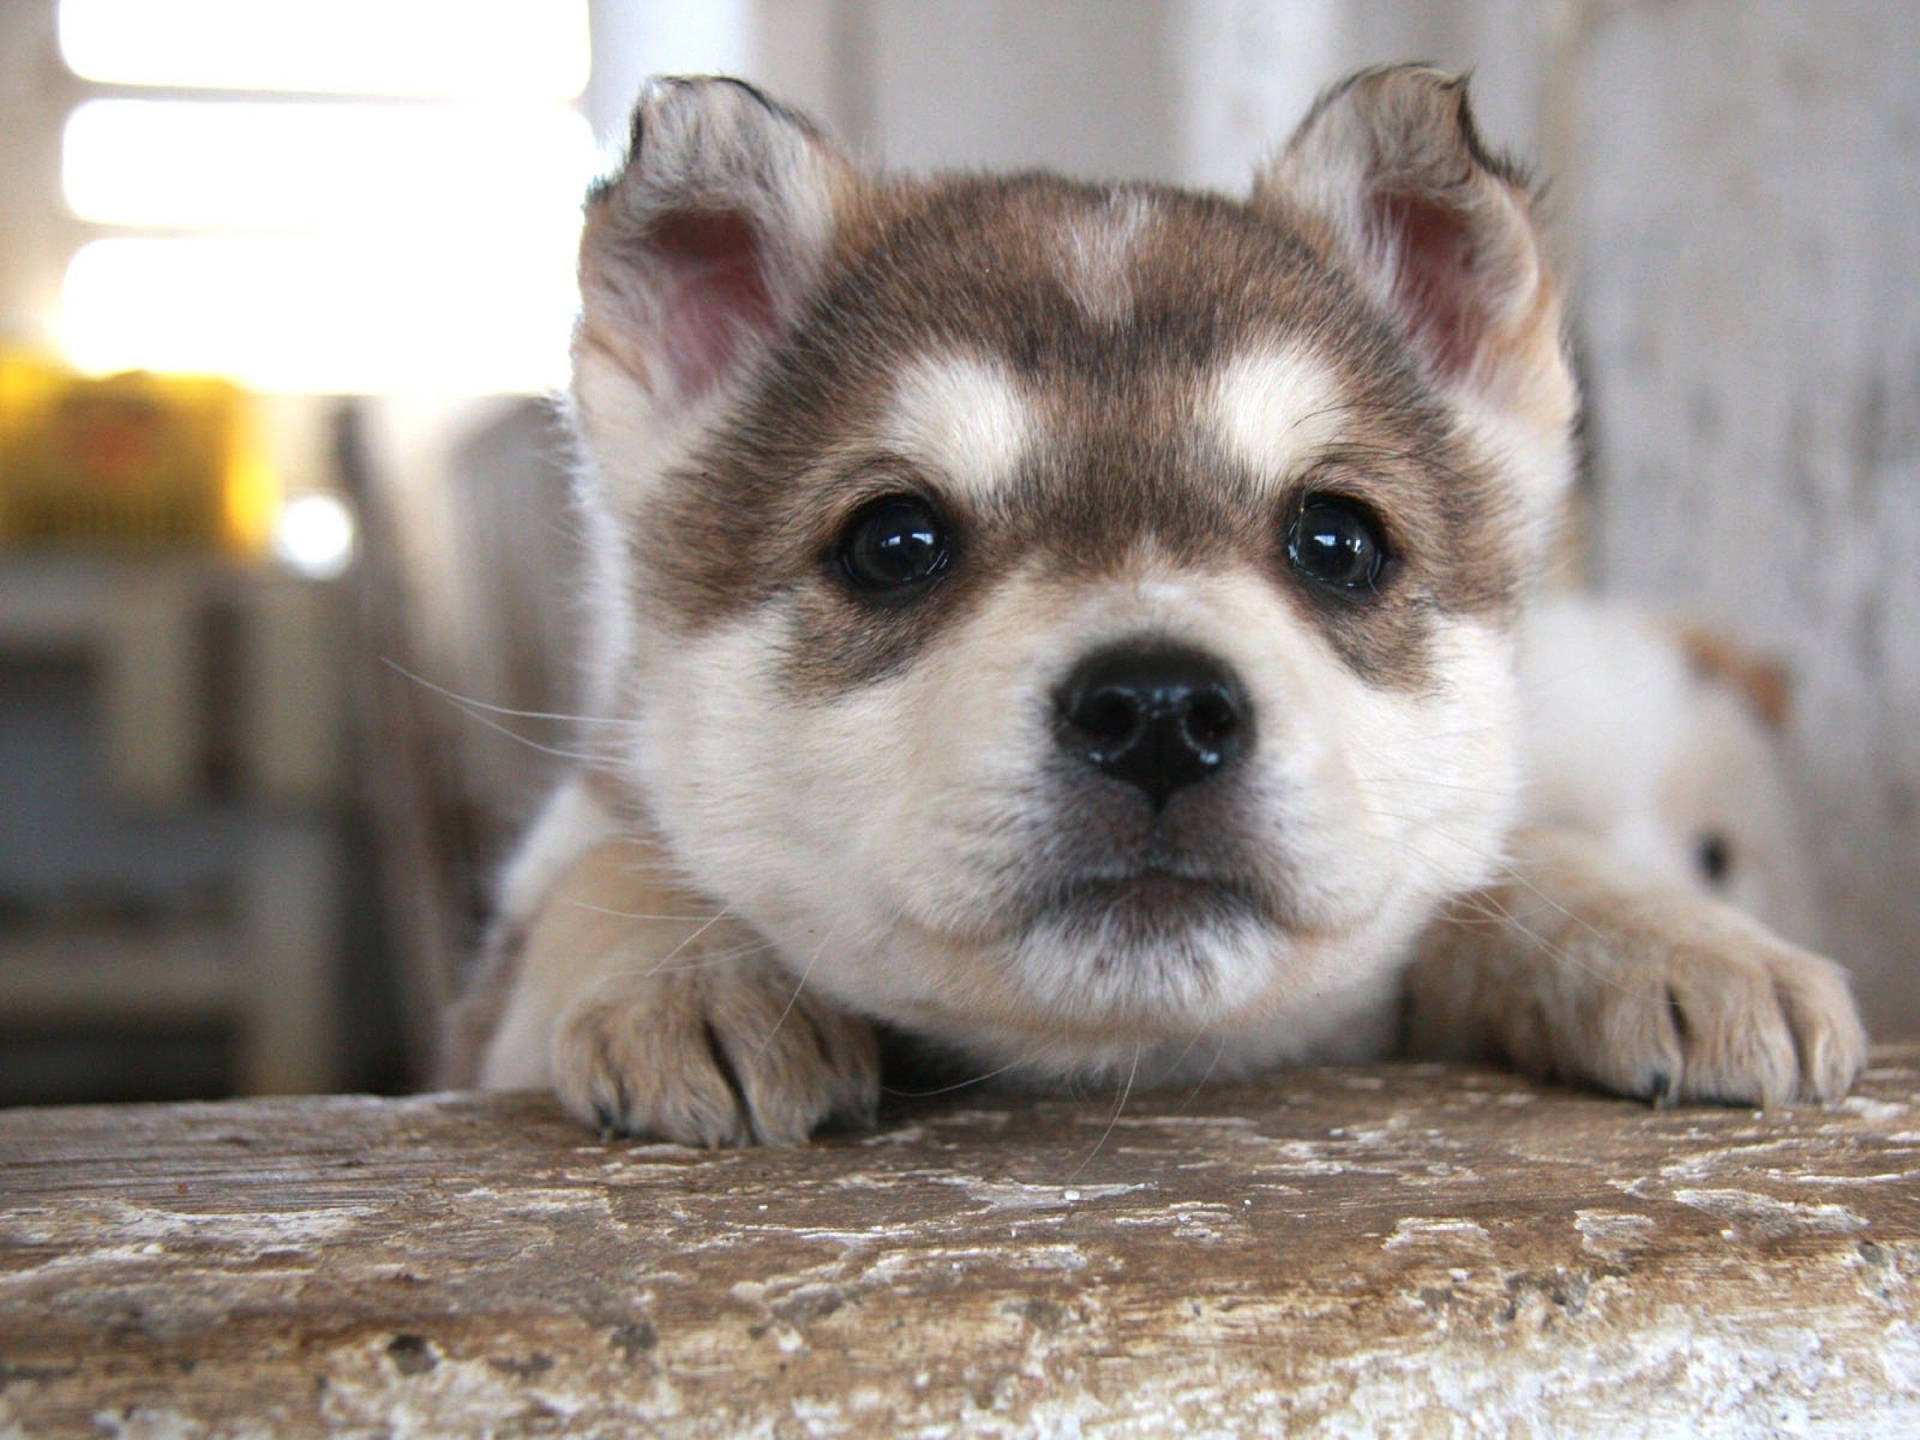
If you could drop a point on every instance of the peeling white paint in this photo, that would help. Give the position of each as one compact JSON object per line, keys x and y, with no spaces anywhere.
{"x":998,"y":1195}
{"x":1614,"y":1233}
{"x":1808,"y":1177}
{"x":143,"y":1231}
{"x":458,"y":1394}
{"x":1752,"y":1215}
{"x":1437,"y":1230}
{"x":147,"y":1422}
{"x":902,"y":1135}
{"x":1900,"y":1358}
{"x":1874,"y":1112}
{"x":1706,"y":1160}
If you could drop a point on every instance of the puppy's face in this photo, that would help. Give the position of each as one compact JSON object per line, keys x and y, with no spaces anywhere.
{"x":1064,"y":618}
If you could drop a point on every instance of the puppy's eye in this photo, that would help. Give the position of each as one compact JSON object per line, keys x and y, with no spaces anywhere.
{"x":893,"y":545}
{"x":1714,"y":855}
{"x":1337,"y":543}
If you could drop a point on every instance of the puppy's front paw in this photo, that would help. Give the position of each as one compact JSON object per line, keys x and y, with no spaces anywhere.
{"x":1740,"y":1018}
{"x":1580,"y":971}
{"x":714,"y":1052}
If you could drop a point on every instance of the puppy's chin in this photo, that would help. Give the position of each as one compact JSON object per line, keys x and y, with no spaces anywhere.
{"x":1149,"y":952}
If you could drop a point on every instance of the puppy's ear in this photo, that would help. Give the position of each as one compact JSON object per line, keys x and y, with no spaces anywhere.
{"x":1763,"y":683}
{"x":696,"y":256}
{"x":1395,"y":184}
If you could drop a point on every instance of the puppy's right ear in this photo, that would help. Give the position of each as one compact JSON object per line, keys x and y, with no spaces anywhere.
{"x":697,"y":255}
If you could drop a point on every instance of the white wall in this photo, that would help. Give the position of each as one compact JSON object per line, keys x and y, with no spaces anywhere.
{"x":1748,"y":218}
{"x":36,"y":234}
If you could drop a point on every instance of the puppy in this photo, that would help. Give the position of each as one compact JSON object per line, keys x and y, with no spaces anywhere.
{"x":1073,"y":626}
{"x":1662,"y":739}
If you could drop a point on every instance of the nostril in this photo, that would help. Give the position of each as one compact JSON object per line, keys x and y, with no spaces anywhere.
{"x":1211,"y":718}
{"x":1108,"y":715}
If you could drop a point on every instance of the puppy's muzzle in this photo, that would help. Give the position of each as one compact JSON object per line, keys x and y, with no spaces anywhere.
{"x":1155,"y":716}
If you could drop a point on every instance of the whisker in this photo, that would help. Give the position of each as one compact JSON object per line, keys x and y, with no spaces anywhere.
{"x":800,"y":984}
{"x":475,"y":703}
{"x":475,"y":711}
{"x":1126,"y":1092}
{"x":618,"y":914}
{"x":968,"y":1082}
{"x":1219,"y":1049}
{"x":674,"y":953}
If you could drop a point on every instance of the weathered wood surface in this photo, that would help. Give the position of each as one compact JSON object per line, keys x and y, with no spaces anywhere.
{"x":1400,"y":1251}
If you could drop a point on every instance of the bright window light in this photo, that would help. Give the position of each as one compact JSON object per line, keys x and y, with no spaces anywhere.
{"x":332,"y":244}
{"x":476,"y":313}
{"x":325,"y":167}
{"x":314,"y":536}
{"x":472,"y":49}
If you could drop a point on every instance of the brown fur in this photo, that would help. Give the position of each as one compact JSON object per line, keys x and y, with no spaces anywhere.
{"x":1763,"y":682}
{"x":731,"y":1049}
{"x":962,"y":263}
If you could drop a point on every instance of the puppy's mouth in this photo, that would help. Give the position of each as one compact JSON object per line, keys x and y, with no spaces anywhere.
{"x":1145,"y":904}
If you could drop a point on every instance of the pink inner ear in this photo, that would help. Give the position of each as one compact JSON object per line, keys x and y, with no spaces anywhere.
{"x":1437,"y":288}
{"x":713,"y":295}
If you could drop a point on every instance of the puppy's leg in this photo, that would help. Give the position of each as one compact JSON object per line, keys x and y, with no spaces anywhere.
{"x":649,"y":1012}
{"x":1578,"y":969}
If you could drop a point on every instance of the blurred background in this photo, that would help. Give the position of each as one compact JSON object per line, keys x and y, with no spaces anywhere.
{"x":283,"y":539}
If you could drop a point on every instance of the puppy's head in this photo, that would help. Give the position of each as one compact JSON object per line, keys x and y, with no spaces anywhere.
{"x":1067,"y":618}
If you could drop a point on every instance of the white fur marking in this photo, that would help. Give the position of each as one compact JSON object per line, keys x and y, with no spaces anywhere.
{"x":963,"y":418}
{"x":1093,"y":266}
{"x":1275,"y":408}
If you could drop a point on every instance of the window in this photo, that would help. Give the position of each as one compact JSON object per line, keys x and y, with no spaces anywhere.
{"x":351,"y":196}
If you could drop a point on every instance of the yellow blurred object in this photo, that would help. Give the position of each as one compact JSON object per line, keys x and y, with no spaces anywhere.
{"x":134,"y":460}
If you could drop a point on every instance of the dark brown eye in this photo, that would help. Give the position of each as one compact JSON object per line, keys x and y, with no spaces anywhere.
{"x":1337,"y":542}
{"x":893,"y":546}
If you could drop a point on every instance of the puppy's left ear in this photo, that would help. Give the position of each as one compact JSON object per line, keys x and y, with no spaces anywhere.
{"x":1390,"y":177}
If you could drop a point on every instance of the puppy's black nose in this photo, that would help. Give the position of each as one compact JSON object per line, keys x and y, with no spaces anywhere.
{"x":1158,"y":717}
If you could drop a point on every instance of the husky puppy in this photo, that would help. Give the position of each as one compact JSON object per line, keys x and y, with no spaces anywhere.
{"x":1074,"y":625}
{"x":1662,"y":739}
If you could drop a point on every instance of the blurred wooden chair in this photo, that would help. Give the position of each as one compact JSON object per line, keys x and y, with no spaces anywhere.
{"x":456,"y":665}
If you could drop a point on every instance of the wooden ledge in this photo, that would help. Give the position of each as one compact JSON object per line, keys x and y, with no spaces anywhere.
{"x":1408,"y":1250}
